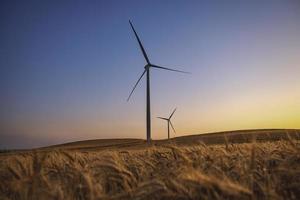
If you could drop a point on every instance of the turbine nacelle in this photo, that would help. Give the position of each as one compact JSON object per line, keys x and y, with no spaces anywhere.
{"x":147,"y":66}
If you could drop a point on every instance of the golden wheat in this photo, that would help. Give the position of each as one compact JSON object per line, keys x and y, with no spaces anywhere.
{"x":268,"y":170}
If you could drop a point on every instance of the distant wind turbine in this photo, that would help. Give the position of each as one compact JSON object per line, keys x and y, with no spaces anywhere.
{"x":147,"y":71}
{"x":169,"y":122}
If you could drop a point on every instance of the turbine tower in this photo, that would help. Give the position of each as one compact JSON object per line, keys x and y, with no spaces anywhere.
{"x":147,"y":71}
{"x":169,"y":122}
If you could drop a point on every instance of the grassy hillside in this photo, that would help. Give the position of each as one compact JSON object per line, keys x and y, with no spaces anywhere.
{"x":238,"y":136}
{"x":190,"y":167}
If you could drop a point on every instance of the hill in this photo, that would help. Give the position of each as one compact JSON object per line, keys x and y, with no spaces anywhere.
{"x":237,"y":136}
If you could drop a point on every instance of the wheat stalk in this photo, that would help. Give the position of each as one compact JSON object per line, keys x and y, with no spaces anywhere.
{"x":226,"y":141}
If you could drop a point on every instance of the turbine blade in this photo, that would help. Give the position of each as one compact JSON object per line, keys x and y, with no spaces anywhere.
{"x":172,"y":126}
{"x":140,"y":43}
{"x":136,"y":84}
{"x":163,"y":118}
{"x":172,"y":113}
{"x":165,"y":68}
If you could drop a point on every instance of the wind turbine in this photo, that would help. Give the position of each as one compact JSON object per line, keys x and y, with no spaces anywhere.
{"x":147,"y":71}
{"x":169,"y":122}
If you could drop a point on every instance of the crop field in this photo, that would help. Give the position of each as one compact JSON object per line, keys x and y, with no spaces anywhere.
{"x":254,"y":164}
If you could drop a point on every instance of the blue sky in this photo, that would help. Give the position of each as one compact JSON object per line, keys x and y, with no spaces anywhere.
{"x":67,"y":68}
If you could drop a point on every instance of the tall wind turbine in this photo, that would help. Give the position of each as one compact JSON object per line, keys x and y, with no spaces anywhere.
{"x":169,"y":122}
{"x":147,"y":71}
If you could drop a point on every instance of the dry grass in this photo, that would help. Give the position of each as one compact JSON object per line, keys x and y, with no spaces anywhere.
{"x":266,"y":170}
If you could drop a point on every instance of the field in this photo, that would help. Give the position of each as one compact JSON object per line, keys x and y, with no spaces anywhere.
{"x":253,"y":164}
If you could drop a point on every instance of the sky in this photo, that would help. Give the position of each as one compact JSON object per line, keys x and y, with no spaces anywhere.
{"x":67,"y":68}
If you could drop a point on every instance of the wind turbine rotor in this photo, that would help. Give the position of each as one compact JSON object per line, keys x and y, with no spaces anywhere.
{"x":165,"y":68}
{"x":172,"y":126}
{"x":172,"y":113}
{"x":136,"y":84}
{"x":140,"y":43}
{"x":163,"y":118}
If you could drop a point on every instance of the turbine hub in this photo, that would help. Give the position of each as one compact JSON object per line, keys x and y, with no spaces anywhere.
{"x":147,"y":66}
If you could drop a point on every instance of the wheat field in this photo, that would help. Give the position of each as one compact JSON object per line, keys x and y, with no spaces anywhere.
{"x":196,"y":169}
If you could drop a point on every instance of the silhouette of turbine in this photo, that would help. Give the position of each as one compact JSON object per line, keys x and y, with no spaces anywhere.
{"x":169,"y":122}
{"x":147,"y":71}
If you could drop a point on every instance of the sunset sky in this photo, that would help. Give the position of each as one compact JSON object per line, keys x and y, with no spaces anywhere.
{"x":67,"y":68}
